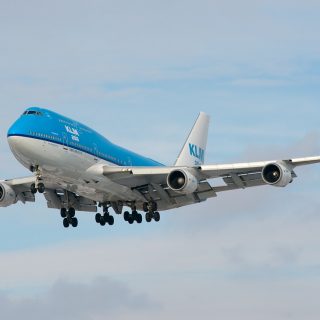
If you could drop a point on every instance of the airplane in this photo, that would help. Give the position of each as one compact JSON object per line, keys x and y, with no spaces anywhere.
{"x":77,"y":169}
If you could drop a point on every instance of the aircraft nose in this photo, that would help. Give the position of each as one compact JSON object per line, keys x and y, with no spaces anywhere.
{"x":13,"y":130}
{"x":18,"y":128}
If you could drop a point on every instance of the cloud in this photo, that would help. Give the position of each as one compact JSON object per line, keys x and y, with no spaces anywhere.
{"x":100,"y":299}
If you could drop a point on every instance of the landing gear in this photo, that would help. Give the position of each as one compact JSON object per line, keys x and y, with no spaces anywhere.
{"x":105,"y":218}
{"x":150,"y":206}
{"x":38,"y":186}
{"x":134,"y":216}
{"x":151,"y":211}
{"x":153,"y":215}
{"x":69,"y":217}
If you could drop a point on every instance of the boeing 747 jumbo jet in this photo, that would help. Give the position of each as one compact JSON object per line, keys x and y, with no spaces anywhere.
{"x":78,"y":169}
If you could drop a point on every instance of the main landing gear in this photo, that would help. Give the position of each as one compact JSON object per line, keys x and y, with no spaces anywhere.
{"x":69,"y":217}
{"x":105,"y":218}
{"x":134,"y":216}
{"x":151,"y":211}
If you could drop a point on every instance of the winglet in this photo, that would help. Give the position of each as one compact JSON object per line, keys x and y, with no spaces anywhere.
{"x":193,"y":151}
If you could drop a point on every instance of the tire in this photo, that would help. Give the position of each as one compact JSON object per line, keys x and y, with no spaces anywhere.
{"x":134,"y":215}
{"x":63,"y":213}
{"x":126,"y":216}
{"x":41,"y":188}
{"x":102,"y":221}
{"x":111,"y":220}
{"x":74,"y":222}
{"x":154,"y":206}
{"x":156,"y":216}
{"x":33,"y":189}
{"x":145,"y":207}
{"x":130,"y":220}
{"x":98,"y":218}
{"x":148,"y":217}
{"x":66,"y":223}
{"x":139,"y":218}
{"x":72,"y":212}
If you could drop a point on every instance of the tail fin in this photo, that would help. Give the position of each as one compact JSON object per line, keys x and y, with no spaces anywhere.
{"x":193,"y":152}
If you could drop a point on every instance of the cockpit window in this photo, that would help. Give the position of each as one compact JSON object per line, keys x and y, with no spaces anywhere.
{"x":36,"y":113}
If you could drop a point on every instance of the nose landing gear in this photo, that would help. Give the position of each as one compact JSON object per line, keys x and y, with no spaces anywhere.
{"x":38,"y":186}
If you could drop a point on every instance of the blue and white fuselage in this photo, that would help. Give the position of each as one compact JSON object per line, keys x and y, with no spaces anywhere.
{"x":47,"y":126}
{"x":66,"y":149}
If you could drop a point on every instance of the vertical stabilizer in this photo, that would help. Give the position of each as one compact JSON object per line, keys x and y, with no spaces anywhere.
{"x":193,"y":152}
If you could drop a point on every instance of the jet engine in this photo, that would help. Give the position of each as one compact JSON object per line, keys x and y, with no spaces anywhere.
{"x":277,"y":174}
{"x":182,"y":181}
{"x":7,"y":195}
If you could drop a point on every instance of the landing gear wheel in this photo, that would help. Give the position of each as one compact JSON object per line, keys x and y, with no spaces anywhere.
{"x":111,"y":220}
{"x":131,"y":219}
{"x":126,"y":216}
{"x":139,"y":218}
{"x":134,"y":215}
{"x":102,"y":221}
{"x":156,"y":216}
{"x":74,"y":222}
{"x":63,"y":213}
{"x":98,"y":217}
{"x":154,"y":206}
{"x":41,"y":188}
{"x":148,"y":217}
{"x":72,"y":212}
{"x":145,"y":207}
{"x":33,"y":189}
{"x":66,"y":223}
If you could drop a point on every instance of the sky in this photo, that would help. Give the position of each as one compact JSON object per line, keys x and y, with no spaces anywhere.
{"x":139,"y":72}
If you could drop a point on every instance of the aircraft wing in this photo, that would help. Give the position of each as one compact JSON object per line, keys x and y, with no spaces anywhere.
{"x":21,"y":186}
{"x":135,"y":176}
{"x":215,"y":171}
{"x":151,"y":182}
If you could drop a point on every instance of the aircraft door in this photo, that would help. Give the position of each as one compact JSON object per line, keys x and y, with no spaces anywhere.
{"x":65,"y":139}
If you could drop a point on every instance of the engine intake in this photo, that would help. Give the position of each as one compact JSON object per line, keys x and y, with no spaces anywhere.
{"x":277,"y":174}
{"x":182,"y":181}
{"x":7,"y":195}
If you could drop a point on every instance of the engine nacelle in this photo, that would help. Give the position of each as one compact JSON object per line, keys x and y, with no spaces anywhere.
{"x":182,"y":181}
{"x":277,"y":174}
{"x":7,"y":195}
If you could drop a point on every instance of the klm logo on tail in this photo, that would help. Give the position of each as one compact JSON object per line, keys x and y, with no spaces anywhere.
{"x":197,"y":152}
